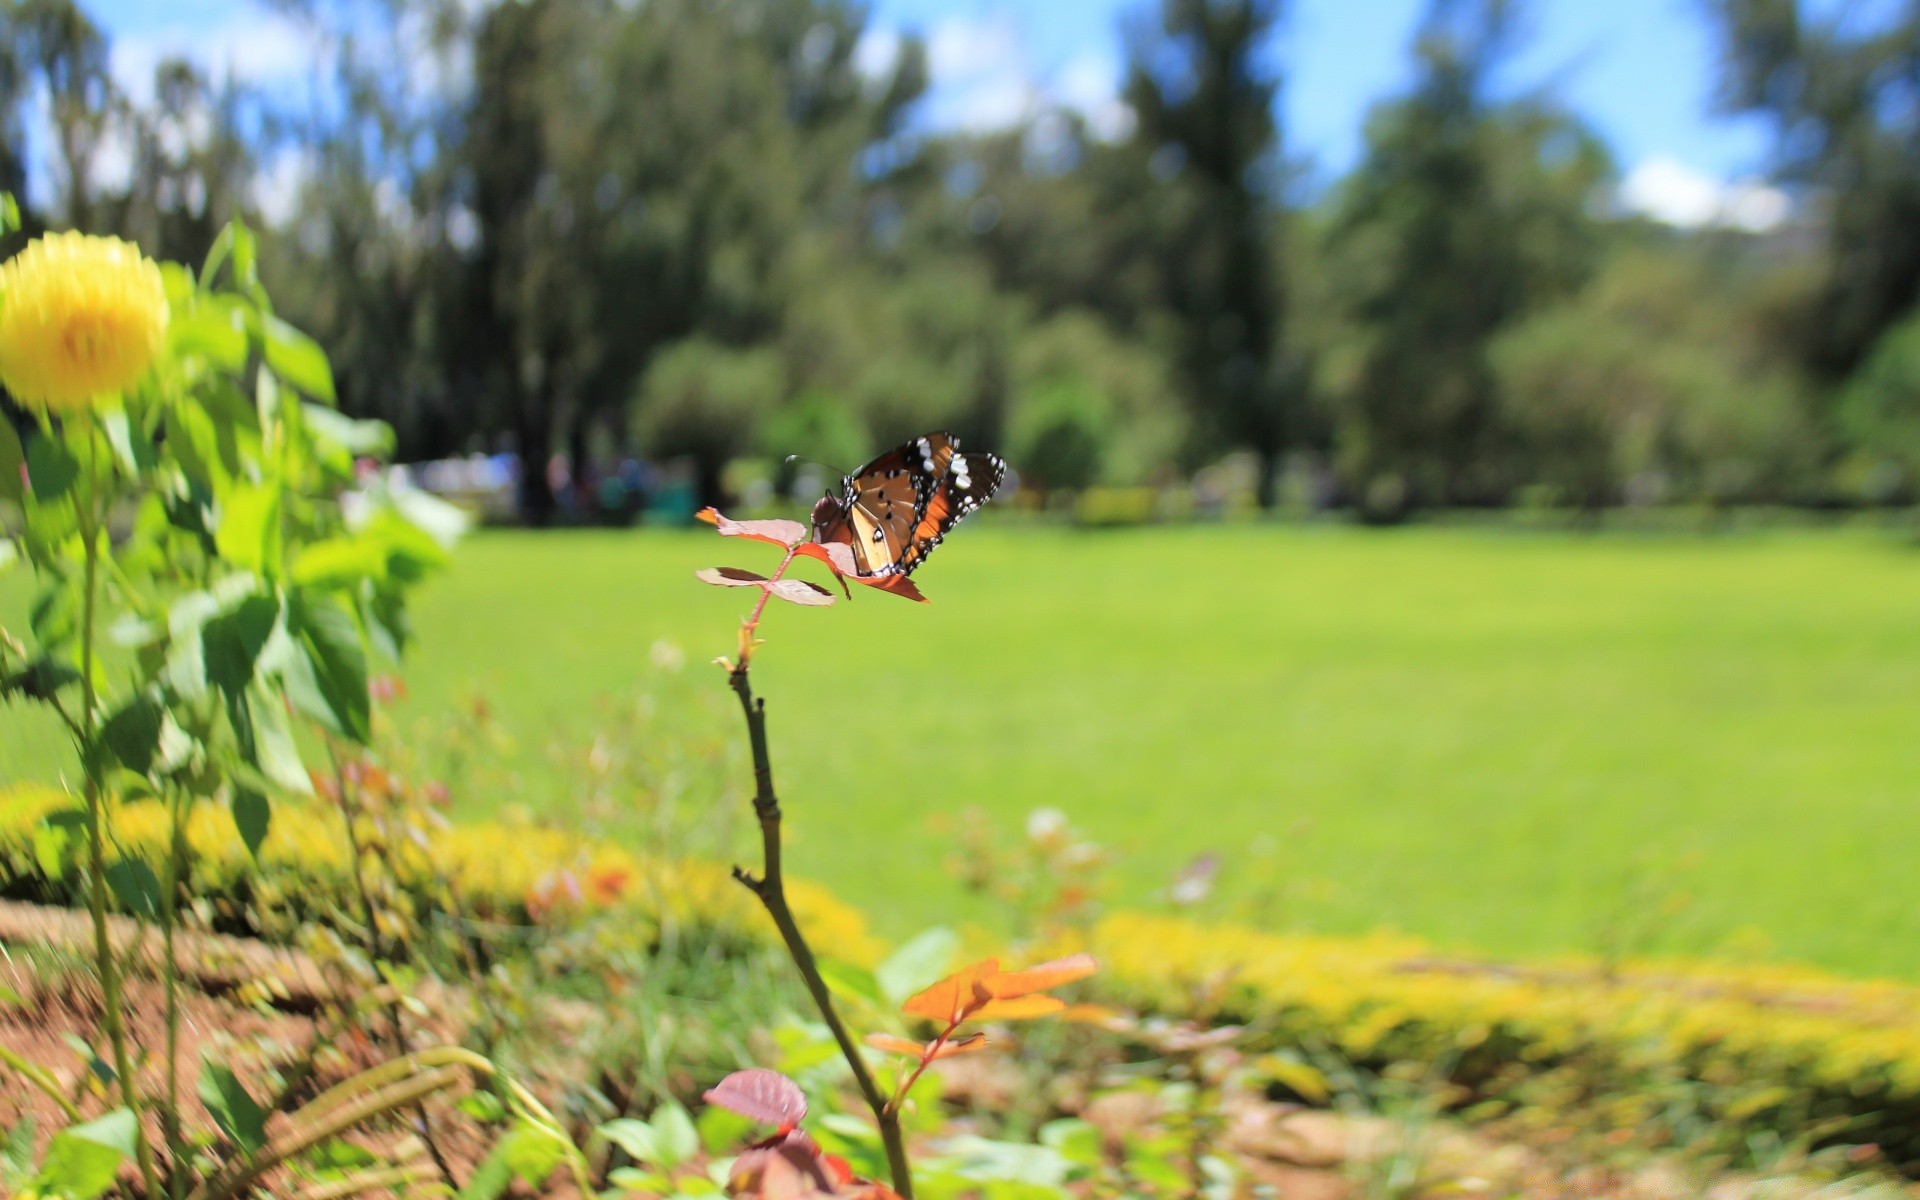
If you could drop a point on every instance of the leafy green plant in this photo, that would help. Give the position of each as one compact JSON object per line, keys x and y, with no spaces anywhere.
{"x":212,"y":570}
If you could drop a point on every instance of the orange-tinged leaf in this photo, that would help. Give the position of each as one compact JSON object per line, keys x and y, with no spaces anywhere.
{"x":1020,"y":1008}
{"x":835,"y":554}
{"x":897,"y":585}
{"x":1090,"y":1014}
{"x":946,"y":1001}
{"x":784,"y":534}
{"x":965,"y":1045}
{"x":1005,"y":985}
{"x":896,"y":1045}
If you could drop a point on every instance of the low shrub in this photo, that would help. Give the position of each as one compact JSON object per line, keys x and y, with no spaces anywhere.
{"x":1684,"y":1053}
{"x":513,"y":874}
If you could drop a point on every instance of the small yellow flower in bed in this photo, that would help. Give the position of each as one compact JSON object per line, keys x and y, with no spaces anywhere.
{"x":81,"y":318}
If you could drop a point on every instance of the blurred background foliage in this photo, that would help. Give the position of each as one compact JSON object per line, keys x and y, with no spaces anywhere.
{"x":703,"y":230}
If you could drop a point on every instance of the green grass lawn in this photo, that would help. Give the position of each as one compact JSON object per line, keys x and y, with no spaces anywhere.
{"x":1519,"y":742}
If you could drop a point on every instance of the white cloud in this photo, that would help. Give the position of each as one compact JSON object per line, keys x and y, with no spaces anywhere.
{"x":982,"y":77}
{"x":877,"y":53}
{"x":1672,"y":192}
{"x":979,"y":76}
{"x":1090,"y":84}
{"x":259,"y":47}
{"x":276,"y":190}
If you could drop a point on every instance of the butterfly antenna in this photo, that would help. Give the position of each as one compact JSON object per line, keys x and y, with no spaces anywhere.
{"x":832,"y":473}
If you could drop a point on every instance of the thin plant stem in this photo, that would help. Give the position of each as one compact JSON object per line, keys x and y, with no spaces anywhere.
{"x":89,"y":515}
{"x":39,"y":1078}
{"x":376,"y":951}
{"x":170,"y":973}
{"x":926,"y":1060}
{"x":770,"y":888}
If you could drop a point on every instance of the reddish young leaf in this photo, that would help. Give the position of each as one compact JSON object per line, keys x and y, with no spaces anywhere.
{"x":729,"y":577}
{"x":893,"y":585}
{"x":784,"y":534}
{"x":835,"y":554}
{"x":945,"y":1002}
{"x":965,"y":1045}
{"x":799,"y":591}
{"x":1020,"y":1008}
{"x":1004,"y":985}
{"x":760,"y":1095}
{"x":890,"y":1044}
{"x":839,"y":558}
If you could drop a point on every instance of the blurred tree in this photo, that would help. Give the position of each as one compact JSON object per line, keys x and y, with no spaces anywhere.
{"x":1116,"y":393}
{"x":54,"y":45}
{"x":1841,"y":92}
{"x":1202,"y":91}
{"x":1465,"y":213}
{"x":703,"y":400}
{"x":196,"y":152}
{"x":1879,"y":417}
{"x":1655,"y":383}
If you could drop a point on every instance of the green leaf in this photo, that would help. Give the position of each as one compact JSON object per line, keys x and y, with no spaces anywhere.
{"x":251,"y":816}
{"x":274,"y":750}
{"x":40,"y":679}
{"x":340,"y":562}
{"x":296,"y":358}
{"x":133,"y":733}
{"x":246,"y":272}
{"x":333,"y":690}
{"x":484,"y":1107}
{"x":214,"y":328}
{"x":232,"y":641}
{"x":82,"y":1160}
{"x":16,"y":1153}
{"x":249,"y":532}
{"x":851,"y":981}
{"x":492,"y":1177}
{"x":674,"y":1137}
{"x":242,"y":1119}
{"x":51,"y":467}
{"x":531,"y":1152}
{"x":355,"y":437}
{"x":12,"y":459}
{"x":135,"y":886}
{"x":130,"y":442}
{"x":195,"y":445}
{"x":635,"y":1137}
{"x":630,"y":1179}
{"x":9,"y":213}
{"x":922,"y":960}
{"x":336,"y":1156}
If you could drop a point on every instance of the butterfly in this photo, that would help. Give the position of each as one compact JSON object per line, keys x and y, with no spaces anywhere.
{"x":892,"y":512}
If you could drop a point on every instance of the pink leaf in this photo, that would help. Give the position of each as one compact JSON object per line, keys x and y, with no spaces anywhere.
{"x":729,"y":577}
{"x":760,"y":1095}
{"x":799,"y":591}
{"x":780,"y":533}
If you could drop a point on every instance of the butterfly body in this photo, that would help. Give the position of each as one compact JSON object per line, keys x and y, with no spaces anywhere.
{"x":892,"y":512}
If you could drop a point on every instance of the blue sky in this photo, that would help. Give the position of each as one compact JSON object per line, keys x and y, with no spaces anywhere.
{"x":1641,"y":71}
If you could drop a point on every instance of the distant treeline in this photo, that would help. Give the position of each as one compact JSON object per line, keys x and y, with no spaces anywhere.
{"x":706,"y":229}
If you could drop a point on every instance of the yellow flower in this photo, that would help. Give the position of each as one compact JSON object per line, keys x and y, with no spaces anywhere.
{"x":81,"y":317}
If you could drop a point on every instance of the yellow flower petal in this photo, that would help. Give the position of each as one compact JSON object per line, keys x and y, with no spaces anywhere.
{"x":81,"y":318}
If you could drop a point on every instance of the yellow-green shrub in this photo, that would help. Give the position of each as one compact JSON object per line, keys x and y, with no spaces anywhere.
{"x":496,"y":872}
{"x":1734,"y":1049}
